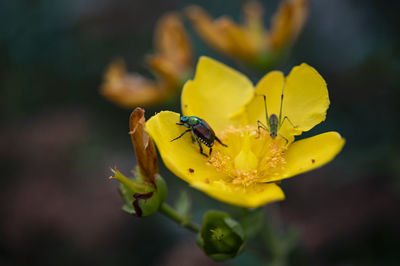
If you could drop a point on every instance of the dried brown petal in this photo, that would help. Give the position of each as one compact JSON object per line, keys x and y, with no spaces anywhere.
{"x":146,"y":155}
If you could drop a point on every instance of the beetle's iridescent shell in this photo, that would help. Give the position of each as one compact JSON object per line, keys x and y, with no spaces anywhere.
{"x":205,"y":133}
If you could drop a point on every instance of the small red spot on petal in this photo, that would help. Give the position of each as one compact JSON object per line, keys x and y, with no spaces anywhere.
{"x":312,"y":160}
{"x":207,"y":181}
{"x":191,"y":170}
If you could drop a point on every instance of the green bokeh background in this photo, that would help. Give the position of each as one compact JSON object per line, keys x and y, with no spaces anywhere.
{"x":58,"y":136}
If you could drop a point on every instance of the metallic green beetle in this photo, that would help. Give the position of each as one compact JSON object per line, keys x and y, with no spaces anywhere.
{"x":201,"y":132}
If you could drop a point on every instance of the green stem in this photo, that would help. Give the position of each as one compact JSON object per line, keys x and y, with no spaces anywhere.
{"x":173,"y":215}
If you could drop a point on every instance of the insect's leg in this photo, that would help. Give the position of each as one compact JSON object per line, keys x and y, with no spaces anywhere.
{"x":287,"y":118}
{"x":182,"y":124}
{"x":260,"y":125}
{"x":183,"y":133}
{"x":220,"y":142}
{"x":265,"y":107}
{"x":210,"y":151}
{"x":201,"y":148}
{"x":193,"y":139}
{"x":284,"y":139}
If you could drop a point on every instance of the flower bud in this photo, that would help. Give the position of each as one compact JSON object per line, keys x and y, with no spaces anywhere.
{"x":220,"y":236}
{"x":144,"y":193}
{"x":141,"y":198}
{"x":149,"y":203}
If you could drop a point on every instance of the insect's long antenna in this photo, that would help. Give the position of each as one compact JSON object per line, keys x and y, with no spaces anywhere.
{"x":266,"y":110}
{"x":280,"y":109}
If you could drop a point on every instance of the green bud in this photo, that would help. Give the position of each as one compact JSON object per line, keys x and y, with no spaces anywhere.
{"x":141,"y":198}
{"x":150,"y":203}
{"x":220,"y":236}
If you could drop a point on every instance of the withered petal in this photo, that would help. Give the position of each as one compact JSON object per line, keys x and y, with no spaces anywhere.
{"x":145,"y":151}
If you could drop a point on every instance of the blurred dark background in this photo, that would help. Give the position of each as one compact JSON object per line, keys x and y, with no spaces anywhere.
{"x":58,"y":136}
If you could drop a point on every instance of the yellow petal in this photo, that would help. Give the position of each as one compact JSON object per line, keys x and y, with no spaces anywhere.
{"x":254,"y":23}
{"x":306,"y":98}
{"x":307,"y":154}
{"x":216,"y":93}
{"x":251,"y":197}
{"x":301,"y":8}
{"x":271,"y":86}
{"x":172,"y":41}
{"x":239,"y":37}
{"x":208,"y":29}
{"x":181,"y":156}
{"x":129,"y":90}
{"x":165,"y":70}
{"x":287,"y":23}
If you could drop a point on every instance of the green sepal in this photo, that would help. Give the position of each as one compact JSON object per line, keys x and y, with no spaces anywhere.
{"x":141,"y":198}
{"x":151,"y":205}
{"x":220,"y":236}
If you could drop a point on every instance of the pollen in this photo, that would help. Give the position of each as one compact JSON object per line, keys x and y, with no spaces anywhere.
{"x":251,"y":156}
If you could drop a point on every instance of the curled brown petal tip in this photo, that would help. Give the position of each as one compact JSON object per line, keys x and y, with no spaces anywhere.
{"x":145,"y":151}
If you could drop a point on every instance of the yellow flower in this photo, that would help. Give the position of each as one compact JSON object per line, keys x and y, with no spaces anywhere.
{"x":171,"y":64}
{"x":250,"y":41}
{"x":245,"y":172}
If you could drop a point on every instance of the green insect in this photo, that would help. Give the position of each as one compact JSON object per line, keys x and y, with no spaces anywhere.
{"x":274,"y":122}
{"x":201,"y":132}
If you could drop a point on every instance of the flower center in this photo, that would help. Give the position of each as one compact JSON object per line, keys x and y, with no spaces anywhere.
{"x":250,"y":157}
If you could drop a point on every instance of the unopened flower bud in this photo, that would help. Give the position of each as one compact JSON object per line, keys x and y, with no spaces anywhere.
{"x":221,"y":237}
{"x":146,"y":191}
{"x":141,"y":198}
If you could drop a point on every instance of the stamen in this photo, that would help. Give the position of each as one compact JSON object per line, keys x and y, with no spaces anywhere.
{"x":250,"y":157}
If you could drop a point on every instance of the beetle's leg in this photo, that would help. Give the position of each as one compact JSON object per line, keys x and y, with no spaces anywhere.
{"x":201,"y":148}
{"x":183,"y":133}
{"x":260,"y":125}
{"x":287,"y":118}
{"x":182,"y":124}
{"x":210,"y":151}
{"x":220,"y":142}
{"x":193,"y":139}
